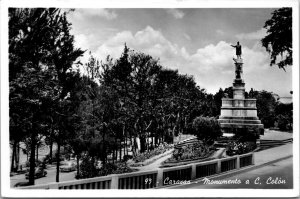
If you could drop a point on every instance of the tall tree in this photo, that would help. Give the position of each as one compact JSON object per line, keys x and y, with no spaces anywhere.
{"x":266,"y":105}
{"x":39,"y":58}
{"x":278,"y":41}
{"x":63,"y":56}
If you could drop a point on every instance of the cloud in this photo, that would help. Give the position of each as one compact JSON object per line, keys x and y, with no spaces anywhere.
{"x":211,"y":65}
{"x":147,"y":40}
{"x":259,"y":34}
{"x":178,"y":14}
{"x":220,"y":32}
{"x":99,"y":12}
{"x":187,"y":36}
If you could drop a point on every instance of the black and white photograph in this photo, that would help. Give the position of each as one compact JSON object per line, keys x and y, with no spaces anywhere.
{"x":155,"y":97}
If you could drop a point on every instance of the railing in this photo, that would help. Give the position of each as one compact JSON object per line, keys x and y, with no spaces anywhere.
{"x":245,"y":160}
{"x":179,"y":173}
{"x":228,"y":164}
{"x":137,"y":180}
{"x":155,"y":178}
{"x":206,"y":169}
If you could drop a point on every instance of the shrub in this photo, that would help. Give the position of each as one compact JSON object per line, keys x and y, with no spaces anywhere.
{"x":122,"y":168}
{"x":127,"y":157}
{"x":247,"y":135}
{"x":87,"y":168}
{"x":206,"y":129}
{"x":107,"y":169}
{"x":110,"y":168}
{"x":284,"y":122}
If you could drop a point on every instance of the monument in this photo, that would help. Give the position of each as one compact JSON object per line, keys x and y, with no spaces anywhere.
{"x":238,"y":114}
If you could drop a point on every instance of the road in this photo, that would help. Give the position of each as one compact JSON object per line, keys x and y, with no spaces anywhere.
{"x":278,"y":175}
{"x":51,"y":176}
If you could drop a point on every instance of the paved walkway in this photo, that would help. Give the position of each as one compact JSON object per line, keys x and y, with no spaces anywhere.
{"x":155,"y":164}
{"x":276,"y":135}
{"x":265,"y":156}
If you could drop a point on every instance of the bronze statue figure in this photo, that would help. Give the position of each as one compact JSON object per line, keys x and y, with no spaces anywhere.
{"x":238,"y":49}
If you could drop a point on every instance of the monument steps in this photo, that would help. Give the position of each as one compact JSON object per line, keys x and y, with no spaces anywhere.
{"x":238,"y":108}
{"x":238,"y":117}
{"x":240,"y":121}
{"x":239,"y":124}
{"x":265,"y":144}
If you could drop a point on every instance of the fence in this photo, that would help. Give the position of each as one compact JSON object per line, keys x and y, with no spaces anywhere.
{"x":156,"y":178}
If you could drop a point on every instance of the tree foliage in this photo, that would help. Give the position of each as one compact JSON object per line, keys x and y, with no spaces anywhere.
{"x":206,"y":129}
{"x":284,"y":116}
{"x":41,"y":52}
{"x":278,"y":41}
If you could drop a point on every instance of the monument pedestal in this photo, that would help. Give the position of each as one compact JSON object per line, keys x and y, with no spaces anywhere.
{"x":239,"y":114}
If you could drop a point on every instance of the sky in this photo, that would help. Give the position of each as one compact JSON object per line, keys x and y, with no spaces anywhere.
{"x":193,"y":41}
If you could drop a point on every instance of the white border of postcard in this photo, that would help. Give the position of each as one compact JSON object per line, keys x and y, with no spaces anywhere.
{"x":6,"y":191}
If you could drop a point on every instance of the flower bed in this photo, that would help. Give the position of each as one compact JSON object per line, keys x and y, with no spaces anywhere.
{"x":238,"y":148}
{"x":173,"y":163}
{"x":149,"y":161}
{"x":190,"y":153}
{"x":149,"y":154}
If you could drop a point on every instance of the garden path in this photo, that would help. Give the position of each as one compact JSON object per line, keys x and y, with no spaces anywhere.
{"x":157,"y":162}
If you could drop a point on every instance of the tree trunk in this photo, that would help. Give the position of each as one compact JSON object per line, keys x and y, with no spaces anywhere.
{"x":12,"y":166}
{"x":104,"y":145}
{"x":113,"y":156}
{"x":17,"y":156}
{"x":115,"y":151}
{"x":153,"y":142}
{"x":120,"y":150}
{"x":57,"y":160}
{"x":126,"y":146}
{"x":51,"y":144}
{"x":78,"y":165}
{"x":32,"y":158}
{"x":173,"y":133}
{"x":142,"y":143}
{"x":135,"y":146}
{"x":124,"y":140}
{"x":37,"y":152}
{"x":51,"y":151}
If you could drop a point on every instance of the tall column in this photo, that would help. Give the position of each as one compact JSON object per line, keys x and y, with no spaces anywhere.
{"x":238,"y":83}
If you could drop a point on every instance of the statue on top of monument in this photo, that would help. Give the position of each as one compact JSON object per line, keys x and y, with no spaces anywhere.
{"x":238,"y":49}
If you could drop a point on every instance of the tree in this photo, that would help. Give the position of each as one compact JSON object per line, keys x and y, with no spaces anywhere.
{"x":63,"y":56}
{"x":284,"y":116}
{"x":266,"y":105}
{"x":206,"y":129}
{"x":279,"y":38}
{"x":40,"y":54}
